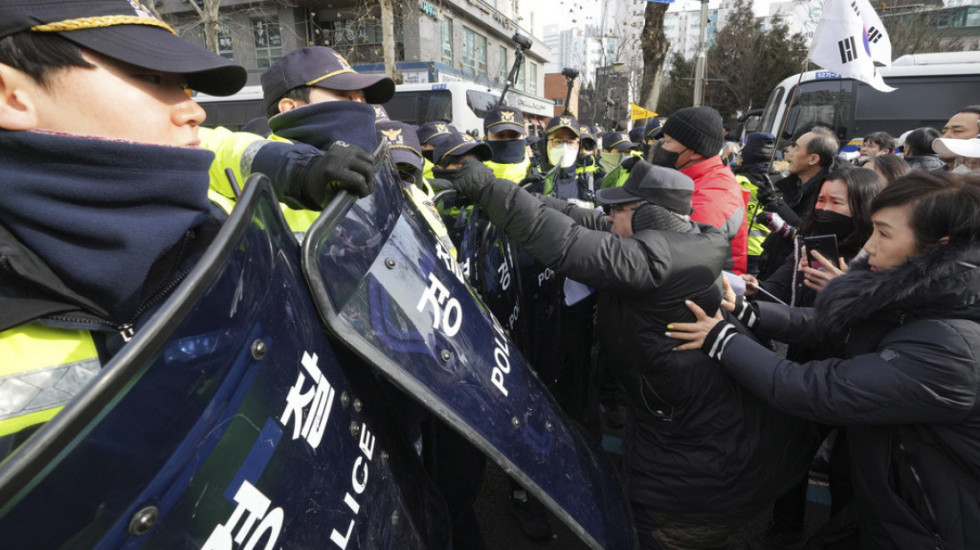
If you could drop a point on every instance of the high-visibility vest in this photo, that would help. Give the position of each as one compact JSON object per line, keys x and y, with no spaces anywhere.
{"x":515,"y":172}
{"x":757,"y":231}
{"x":230,"y":150}
{"x":41,"y":370}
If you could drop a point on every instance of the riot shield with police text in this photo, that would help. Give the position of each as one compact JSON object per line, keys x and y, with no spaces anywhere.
{"x":229,"y":422}
{"x":386,"y":287}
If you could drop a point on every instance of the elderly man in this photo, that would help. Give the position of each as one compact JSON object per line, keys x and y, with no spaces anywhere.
{"x":702,"y":456}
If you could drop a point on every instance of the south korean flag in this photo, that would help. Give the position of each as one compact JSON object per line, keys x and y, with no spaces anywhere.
{"x":848,"y":41}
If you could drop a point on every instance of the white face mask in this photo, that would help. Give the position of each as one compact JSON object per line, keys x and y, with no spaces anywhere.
{"x":609,"y":161}
{"x":563,"y":156}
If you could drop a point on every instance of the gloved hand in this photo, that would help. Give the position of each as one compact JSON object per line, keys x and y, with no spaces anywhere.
{"x":629,"y":162}
{"x":766,"y":191}
{"x":469,"y":179}
{"x":776,"y":224}
{"x":343,"y":167}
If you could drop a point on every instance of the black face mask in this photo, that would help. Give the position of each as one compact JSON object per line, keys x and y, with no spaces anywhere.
{"x":665,"y":158}
{"x":429,"y":154}
{"x":511,"y":151}
{"x":830,"y":222}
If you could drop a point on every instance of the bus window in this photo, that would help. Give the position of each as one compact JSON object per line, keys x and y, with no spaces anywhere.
{"x":821,"y":103}
{"x":480,"y":102}
{"x":772,"y":108}
{"x":914,"y":103}
{"x":421,"y":106}
{"x":232,"y":114}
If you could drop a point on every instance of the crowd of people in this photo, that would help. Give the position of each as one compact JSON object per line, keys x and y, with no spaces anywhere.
{"x":747,"y":319}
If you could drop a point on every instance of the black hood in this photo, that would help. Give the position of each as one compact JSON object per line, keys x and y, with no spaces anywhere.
{"x":943,"y":283}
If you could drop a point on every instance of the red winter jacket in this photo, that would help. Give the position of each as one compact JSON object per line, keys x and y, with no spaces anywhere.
{"x":718,"y":201}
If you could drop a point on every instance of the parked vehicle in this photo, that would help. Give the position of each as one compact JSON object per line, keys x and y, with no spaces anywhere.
{"x":929,"y":89}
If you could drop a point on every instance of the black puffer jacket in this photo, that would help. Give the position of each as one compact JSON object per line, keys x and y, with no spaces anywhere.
{"x":697,"y":441}
{"x":907,"y":392}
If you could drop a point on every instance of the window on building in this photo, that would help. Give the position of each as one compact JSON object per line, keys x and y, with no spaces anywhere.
{"x":268,"y":40}
{"x":224,"y":42}
{"x":447,"y":40}
{"x":532,"y":83}
{"x":521,"y":83}
{"x":502,"y":56}
{"x":474,"y":53}
{"x":560,"y":102}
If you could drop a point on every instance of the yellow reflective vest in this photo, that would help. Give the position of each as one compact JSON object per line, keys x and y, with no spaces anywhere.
{"x":757,"y":231}
{"x":515,"y":172}
{"x":235,"y":150}
{"x":42,"y":369}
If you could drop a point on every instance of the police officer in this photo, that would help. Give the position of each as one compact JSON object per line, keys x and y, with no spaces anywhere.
{"x":617,"y":158}
{"x":93,"y":105}
{"x":561,"y":144}
{"x":507,"y":138}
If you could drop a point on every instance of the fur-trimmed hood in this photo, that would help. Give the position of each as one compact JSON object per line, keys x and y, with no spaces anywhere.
{"x":942,"y":283}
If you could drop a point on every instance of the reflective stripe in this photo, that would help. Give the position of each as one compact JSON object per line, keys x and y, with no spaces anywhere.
{"x":43,"y":369}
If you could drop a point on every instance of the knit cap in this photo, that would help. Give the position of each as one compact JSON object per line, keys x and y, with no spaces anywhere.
{"x":697,"y":128}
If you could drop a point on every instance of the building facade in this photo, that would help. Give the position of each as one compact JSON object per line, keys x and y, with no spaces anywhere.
{"x":470,"y":39}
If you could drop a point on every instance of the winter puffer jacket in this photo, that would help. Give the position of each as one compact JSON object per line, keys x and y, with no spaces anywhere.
{"x":697,"y":441}
{"x":907,"y":392}
{"x":718,"y":200}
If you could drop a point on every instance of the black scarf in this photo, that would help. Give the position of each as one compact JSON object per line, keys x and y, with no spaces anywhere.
{"x":100,"y":213}
{"x":323,"y":124}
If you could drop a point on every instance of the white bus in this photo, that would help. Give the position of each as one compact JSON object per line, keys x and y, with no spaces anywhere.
{"x":929,"y":89}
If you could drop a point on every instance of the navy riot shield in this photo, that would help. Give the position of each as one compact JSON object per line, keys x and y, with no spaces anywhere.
{"x":386,"y":287}
{"x":230,"y":421}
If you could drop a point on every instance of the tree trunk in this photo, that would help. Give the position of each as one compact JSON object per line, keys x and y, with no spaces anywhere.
{"x":654,"y":45}
{"x":211,"y":19}
{"x":388,"y":38}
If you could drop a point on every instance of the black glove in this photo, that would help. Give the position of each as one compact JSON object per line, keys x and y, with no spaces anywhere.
{"x":469,"y":179}
{"x":343,"y":167}
{"x":766,"y":193}
{"x":629,"y":163}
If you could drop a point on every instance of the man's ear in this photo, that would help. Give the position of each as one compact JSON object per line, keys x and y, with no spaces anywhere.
{"x":288,"y":104}
{"x":18,"y":93}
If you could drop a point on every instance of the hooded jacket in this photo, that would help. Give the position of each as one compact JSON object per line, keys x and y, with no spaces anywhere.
{"x":906,"y":390}
{"x":696,"y":441}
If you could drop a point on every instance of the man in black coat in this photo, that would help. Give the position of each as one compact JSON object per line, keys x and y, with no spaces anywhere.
{"x":702,"y":455}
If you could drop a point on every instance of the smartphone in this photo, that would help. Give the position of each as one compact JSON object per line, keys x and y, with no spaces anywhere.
{"x":826,"y":245}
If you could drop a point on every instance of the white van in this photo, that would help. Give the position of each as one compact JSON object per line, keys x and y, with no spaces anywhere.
{"x":462,"y":104}
{"x":929,"y":89}
{"x":233,"y":111}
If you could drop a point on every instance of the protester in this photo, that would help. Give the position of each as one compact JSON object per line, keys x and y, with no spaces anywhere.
{"x":966,"y":153}
{"x":811,"y":157}
{"x":842,"y":209}
{"x":877,"y":143}
{"x":904,"y":326}
{"x":918,"y":149}
{"x":965,"y":124}
{"x":889,"y":167}
{"x":693,"y":138}
{"x":703,"y":458}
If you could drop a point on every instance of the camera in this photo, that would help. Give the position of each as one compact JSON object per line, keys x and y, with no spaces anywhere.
{"x":522,"y":41}
{"x":569,"y":72}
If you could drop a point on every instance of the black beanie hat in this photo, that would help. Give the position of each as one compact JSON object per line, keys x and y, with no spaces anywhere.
{"x":697,"y":128}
